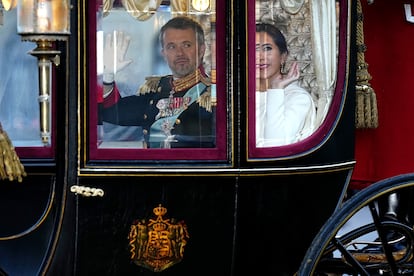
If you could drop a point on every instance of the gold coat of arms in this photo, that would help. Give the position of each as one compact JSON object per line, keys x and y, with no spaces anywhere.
{"x":157,"y":244}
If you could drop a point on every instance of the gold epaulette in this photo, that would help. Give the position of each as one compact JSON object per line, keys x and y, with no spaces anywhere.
{"x":151,"y":84}
{"x":205,"y":100}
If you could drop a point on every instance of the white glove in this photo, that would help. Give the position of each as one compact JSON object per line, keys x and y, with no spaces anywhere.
{"x":114,"y":51}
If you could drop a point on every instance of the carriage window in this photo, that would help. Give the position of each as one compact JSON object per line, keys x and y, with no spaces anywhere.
{"x":295,"y":59}
{"x":155,"y":92}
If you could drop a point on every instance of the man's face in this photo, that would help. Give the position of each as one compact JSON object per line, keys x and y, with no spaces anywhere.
{"x":181,"y":51}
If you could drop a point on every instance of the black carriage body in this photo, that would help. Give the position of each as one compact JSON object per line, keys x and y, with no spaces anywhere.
{"x":244,"y":214}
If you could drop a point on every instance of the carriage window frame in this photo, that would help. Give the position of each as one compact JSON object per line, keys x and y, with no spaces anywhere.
{"x":322,"y":133}
{"x":91,"y":155}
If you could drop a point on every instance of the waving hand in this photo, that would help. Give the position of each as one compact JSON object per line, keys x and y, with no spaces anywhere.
{"x":115,"y":47}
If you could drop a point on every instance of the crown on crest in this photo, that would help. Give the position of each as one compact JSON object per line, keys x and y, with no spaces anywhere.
{"x":160,"y":211}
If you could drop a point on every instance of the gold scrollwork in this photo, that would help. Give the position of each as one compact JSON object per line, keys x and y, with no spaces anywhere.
{"x":86,"y":191}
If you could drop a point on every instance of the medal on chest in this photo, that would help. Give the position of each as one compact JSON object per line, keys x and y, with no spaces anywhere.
{"x":171,"y":106}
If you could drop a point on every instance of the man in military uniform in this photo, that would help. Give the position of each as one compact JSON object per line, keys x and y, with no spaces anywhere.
{"x":174,"y":111}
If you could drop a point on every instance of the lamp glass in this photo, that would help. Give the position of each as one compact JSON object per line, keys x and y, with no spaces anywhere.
{"x":43,"y":17}
{"x":9,"y":4}
{"x":200,"y":5}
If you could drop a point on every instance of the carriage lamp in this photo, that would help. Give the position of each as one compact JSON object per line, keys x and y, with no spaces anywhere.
{"x":44,"y":22}
{"x":200,"y":5}
{"x":8,"y":4}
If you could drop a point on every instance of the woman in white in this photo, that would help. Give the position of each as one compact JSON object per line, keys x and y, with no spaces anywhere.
{"x":285,"y":112}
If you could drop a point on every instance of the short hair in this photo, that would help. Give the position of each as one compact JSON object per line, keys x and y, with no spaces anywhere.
{"x":276,"y":35}
{"x":183,"y":23}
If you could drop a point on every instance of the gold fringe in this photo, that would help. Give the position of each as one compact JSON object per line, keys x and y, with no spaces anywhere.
{"x":151,"y":84}
{"x":366,"y":112}
{"x":366,"y":108}
{"x":10,"y":166}
{"x":205,"y":100}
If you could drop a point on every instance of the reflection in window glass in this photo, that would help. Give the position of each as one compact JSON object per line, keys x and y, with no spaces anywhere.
{"x":19,"y":106}
{"x":296,"y":60}
{"x":156,"y":95}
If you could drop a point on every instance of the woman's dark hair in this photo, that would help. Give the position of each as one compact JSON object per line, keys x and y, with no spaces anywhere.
{"x":275,"y":34}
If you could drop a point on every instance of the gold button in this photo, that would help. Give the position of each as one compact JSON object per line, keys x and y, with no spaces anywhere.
{"x":177,"y":121}
{"x":145,"y":132}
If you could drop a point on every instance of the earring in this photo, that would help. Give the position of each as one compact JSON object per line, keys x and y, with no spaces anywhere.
{"x":282,"y":68}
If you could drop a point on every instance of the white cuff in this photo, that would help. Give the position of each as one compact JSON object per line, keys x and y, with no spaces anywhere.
{"x":108,"y":78}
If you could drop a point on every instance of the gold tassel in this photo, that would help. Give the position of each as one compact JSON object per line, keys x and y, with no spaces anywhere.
{"x":10,"y":166}
{"x":205,"y":100}
{"x":366,"y":112}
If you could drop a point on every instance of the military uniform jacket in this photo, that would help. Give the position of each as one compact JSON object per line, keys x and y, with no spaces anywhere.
{"x":193,"y":125}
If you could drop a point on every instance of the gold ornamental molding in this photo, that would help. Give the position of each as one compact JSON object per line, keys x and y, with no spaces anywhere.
{"x":157,"y":244}
{"x":86,"y":191}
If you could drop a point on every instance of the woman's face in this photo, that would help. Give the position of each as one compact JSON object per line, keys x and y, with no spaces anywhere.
{"x":268,"y":57}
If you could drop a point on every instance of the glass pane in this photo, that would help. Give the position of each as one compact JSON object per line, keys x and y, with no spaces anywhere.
{"x":155,"y":95}
{"x":19,"y":106}
{"x":296,"y":47}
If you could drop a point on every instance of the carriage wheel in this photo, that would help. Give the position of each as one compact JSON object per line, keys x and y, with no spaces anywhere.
{"x":358,"y":240}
